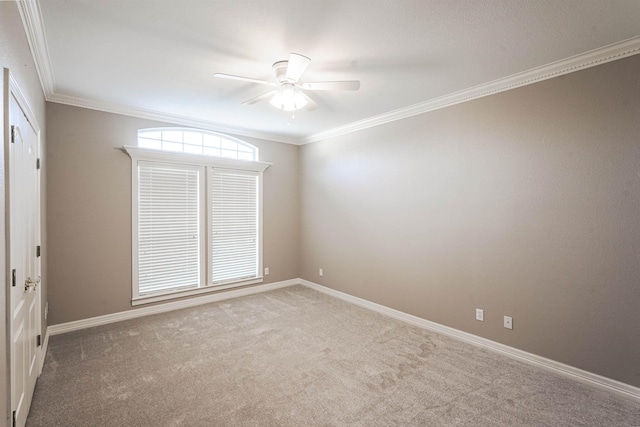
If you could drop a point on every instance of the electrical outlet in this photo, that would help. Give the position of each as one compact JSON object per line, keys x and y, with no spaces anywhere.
{"x":480,"y":314}
{"x":508,"y":322}
{"x":320,"y":272}
{"x":266,"y":271}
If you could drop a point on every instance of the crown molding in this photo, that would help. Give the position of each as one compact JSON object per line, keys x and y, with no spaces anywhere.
{"x":589,"y":59}
{"x":143,"y":113}
{"x":34,"y":29}
{"x":35,"y":32}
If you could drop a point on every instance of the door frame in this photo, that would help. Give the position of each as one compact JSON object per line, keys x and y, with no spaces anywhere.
{"x":12,"y":88}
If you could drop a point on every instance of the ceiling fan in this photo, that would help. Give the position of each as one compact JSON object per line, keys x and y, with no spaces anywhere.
{"x":290,"y":93}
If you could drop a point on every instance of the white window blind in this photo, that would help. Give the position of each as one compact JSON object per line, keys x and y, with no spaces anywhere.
{"x":234,"y":225}
{"x":168,"y":228}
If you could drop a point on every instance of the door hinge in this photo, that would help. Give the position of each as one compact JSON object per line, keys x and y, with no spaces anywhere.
{"x":37,"y":251}
{"x":38,"y":164}
{"x":13,"y":134}
{"x":14,"y":419}
{"x":13,"y":277}
{"x":39,"y":340}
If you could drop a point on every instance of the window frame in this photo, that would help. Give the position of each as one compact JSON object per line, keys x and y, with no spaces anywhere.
{"x":206,"y":164}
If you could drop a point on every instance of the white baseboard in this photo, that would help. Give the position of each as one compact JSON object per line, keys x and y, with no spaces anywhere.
{"x":571,"y":372}
{"x":162,"y":308}
{"x":574,"y":373}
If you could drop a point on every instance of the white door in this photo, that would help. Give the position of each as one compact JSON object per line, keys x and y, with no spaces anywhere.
{"x":24,"y":261}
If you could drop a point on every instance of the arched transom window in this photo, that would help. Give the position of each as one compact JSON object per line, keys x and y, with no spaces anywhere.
{"x":196,"y":141}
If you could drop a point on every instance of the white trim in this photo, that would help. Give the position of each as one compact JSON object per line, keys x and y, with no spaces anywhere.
{"x":32,"y":22}
{"x":34,"y":29}
{"x":166,"y":307}
{"x":159,"y":116}
{"x":11,"y":89}
{"x":576,"y":374}
{"x":260,"y":241}
{"x":24,"y":106}
{"x":569,"y":65}
{"x":571,"y":372}
{"x":140,"y":300}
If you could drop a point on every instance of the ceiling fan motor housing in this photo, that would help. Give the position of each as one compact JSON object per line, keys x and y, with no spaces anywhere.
{"x":280,"y":70}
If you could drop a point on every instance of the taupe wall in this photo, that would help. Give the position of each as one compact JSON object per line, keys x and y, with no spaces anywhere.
{"x":89,"y":208}
{"x":15,"y":56}
{"x":525,"y":203}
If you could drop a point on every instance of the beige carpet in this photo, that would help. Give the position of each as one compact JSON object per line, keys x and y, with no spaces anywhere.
{"x":295,"y":357}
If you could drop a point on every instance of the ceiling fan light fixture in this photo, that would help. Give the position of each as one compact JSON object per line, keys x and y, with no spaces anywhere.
{"x":289,"y":94}
{"x":288,"y":98}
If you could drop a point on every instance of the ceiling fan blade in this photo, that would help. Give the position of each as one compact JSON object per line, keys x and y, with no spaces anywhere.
{"x":311,"y":104}
{"x":343,"y":85}
{"x":244,"y":79}
{"x":297,"y":65}
{"x":260,"y":98}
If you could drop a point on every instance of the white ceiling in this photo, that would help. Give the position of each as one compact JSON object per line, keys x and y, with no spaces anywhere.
{"x":159,"y":57}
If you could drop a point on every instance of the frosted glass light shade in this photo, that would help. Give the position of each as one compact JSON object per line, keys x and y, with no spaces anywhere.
{"x":288,"y":98}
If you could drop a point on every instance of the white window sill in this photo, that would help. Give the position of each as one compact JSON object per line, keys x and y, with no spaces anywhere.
{"x":147,"y":299}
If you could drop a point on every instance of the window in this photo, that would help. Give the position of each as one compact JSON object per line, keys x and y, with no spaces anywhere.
{"x":195,"y":141}
{"x":233,"y":225}
{"x":197,"y":218}
{"x":168,"y":227}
